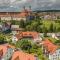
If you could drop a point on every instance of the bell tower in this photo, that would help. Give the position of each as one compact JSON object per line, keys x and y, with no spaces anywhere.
{"x":30,"y":8}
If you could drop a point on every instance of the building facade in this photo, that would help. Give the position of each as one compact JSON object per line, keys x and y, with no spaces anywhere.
{"x":50,"y":50}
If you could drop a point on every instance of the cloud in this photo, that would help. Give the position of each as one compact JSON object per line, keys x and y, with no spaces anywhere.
{"x":35,"y":4}
{"x":4,"y":3}
{"x":12,"y":0}
{"x":40,"y":4}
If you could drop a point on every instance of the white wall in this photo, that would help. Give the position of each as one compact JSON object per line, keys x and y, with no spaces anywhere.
{"x":5,"y":18}
{"x":18,"y":18}
{"x":13,"y":18}
{"x":55,"y":55}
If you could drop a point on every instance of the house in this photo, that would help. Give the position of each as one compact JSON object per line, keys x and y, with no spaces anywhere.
{"x":54,"y":35}
{"x":28,"y":34}
{"x":12,"y":16}
{"x":14,"y":38}
{"x":55,"y":55}
{"x":6,"y":27}
{"x":19,"y":55}
{"x":3,"y":50}
{"x":58,"y":34}
{"x":47,"y":17}
{"x":15,"y":15}
{"x":51,"y":50}
{"x":8,"y":52}
{"x":15,"y":29}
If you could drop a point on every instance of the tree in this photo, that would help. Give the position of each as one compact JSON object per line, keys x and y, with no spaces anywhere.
{"x":30,"y":47}
{"x":58,"y":17}
{"x":28,"y":28}
{"x":58,"y":30}
{"x":22,"y":24}
{"x":51,"y":28}
{"x":57,"y":42}
{"x":34,"y":25}
{"x":13,"y":22}
{"x":39,"y":28}
{"x":2,"y":39}
{"x":24,"y":45}
{"x":44,"y":29}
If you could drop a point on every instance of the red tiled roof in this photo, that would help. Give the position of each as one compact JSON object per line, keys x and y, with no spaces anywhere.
{"x":49,"y":46}
{"x":15,"y":14}
{"x":5,"y":47}
{"x":23,"y":14}
{"x":18,"y":36}
{"x":17,"y":54}
{"x":22,"y":56}
{"x":33,"y":34}
{"x":27,"y":34}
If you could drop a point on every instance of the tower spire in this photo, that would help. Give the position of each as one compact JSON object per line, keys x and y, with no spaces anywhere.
{"x":24,"y":8}
{"x":29,"y":7}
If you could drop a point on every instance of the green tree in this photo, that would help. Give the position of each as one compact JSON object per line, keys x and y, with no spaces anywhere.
{"x":13,"y":22}
{"x":24,"y":45}
{"x":44,"y":29}
{"x":28,"y":28}
{"x":2,"y":39}
{"x":34,"y":25}
{"x":51,"y":28}
{"x":39,"y":28}
{"x":22,"y":24}
{"x":57,"y":42}
{"x":30,"y":47}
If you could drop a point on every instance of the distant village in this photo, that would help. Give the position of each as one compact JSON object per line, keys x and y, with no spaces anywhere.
{"x":28,"y":14}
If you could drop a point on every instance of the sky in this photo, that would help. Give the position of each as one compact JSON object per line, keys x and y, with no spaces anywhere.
{"x":17,"y":5}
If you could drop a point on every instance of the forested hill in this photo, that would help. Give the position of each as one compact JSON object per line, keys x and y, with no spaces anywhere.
{"x":47,"y":11}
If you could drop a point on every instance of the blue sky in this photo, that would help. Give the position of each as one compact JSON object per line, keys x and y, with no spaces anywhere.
{"x":17,"y":5}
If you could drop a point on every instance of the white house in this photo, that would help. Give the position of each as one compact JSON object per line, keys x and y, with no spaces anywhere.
{"x":19,"y":18}
{"x":14,"y":39}
{"x":55,"y":55}
{"x":51,"y":50}
{"x":14,"y":29}
{"x":6,"y":18}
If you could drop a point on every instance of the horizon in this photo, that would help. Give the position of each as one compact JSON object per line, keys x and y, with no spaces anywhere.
{"x":17,"y":5}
